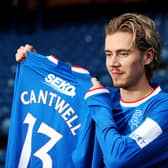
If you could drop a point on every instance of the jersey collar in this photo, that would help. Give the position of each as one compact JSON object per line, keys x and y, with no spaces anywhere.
{"x":53,"y":59}
{"x":142,"y":100}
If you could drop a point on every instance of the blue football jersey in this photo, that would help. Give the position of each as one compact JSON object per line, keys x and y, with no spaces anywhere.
{"x":48,"y":112}
{"x":131,"y":134}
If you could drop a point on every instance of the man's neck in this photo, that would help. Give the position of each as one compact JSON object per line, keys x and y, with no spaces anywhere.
{"x":135,"y":93}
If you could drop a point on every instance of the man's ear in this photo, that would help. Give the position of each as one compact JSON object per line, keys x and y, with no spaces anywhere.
{"x":149,"y":56}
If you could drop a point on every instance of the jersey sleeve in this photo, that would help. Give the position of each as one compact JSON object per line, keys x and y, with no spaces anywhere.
{"x":147,"y":144}
{"x":87,"y":152}
{"x":11,"y":158}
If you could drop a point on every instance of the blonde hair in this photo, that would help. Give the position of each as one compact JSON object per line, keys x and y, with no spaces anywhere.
{"x":144,"y":34}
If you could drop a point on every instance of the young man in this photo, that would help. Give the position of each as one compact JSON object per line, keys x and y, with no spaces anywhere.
{"x":131,"y":124}
{"x":131,"y":121}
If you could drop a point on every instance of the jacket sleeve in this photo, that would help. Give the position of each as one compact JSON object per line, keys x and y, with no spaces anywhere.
{"x":123,"y":150}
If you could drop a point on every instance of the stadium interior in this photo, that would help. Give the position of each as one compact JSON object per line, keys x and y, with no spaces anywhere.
{"x":73,"y":31}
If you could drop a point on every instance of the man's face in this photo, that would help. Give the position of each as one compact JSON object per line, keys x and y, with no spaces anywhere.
{"x":124,"y":62}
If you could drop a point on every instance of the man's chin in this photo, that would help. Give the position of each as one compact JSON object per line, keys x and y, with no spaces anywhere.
{"x":118,"y":85}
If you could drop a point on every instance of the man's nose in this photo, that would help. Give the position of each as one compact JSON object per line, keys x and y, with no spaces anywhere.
{"x":114,"y":61}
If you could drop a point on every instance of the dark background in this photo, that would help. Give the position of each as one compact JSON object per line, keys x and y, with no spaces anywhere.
{"x":73,"y":30}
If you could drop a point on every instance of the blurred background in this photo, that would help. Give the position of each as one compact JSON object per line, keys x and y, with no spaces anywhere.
{"x":72,"y":30}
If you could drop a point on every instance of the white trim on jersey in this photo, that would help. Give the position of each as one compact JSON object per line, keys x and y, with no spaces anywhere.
{"x":79,"y":69}
{"x":96,"y":91}
{"x":140,"y":101}
{"x":73,"y":68}
{"x":147,"y":132}
{"x":53,"y":59}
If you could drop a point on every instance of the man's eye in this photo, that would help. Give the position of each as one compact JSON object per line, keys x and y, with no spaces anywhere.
{"x":108,"y":55}
{"x":123,"y":54}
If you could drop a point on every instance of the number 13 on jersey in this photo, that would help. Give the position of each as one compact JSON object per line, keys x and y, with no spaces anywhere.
{"x":42,"y":152}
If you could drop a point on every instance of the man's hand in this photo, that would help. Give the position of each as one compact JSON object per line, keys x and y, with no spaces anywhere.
{"x":95,"y":83}
{"x":21,"y":52}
